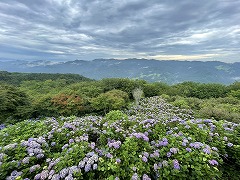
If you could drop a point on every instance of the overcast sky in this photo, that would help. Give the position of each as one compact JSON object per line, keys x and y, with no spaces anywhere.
{"x":90,"y":29}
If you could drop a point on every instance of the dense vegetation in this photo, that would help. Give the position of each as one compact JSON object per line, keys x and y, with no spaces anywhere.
{"x":18,"y":78}
{"x":184,"y":131}
{"x":32,"y":95}
{"x":153,"y":140}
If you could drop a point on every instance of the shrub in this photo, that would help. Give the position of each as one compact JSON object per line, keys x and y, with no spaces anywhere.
{"x":160,"y":141}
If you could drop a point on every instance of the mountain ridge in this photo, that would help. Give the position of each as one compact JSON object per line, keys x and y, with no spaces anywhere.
{"x":168,"y":71}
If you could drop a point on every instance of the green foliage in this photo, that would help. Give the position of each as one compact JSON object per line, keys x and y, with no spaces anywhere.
{"x":227,"y":108}
{"x":125,"y":85}
{"x":201,"y":91}
{"x":89,"y":89}
{"x":18,"y":78}
{"x":186,"y":89}
{"x":115,"y":115}
{"x":181,"y":103}
{"x":235,"y":93}
{"x":235,"y":86}
{"x":14,"y":103}
{"x":111,"y":100}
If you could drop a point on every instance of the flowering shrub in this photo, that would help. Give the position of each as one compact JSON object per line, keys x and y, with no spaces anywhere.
{"x":153,"y":140}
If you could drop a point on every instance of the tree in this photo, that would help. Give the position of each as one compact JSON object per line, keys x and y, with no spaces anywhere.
{"x":14,"y":103}
{"x":235,"y":94}
{"x":122,"y":84}
{"x":111,"y":100}
{"x":69,"y":104}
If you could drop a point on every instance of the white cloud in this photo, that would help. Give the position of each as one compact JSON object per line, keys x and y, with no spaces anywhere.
{"x":120,"y":29}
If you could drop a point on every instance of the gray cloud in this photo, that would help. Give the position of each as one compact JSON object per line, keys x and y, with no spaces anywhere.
{"x":88,"y":29}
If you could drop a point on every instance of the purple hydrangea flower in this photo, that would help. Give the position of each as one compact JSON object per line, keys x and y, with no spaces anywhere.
{"x":169,"y":132}
{"x":81,"y":164}
{"x":87,"y":167}
{"x":207,"y":150}
{"x":184,"y":144}
{"x":40,"y":156}
{"x":63,"y":173}
{"x":229,"y":144}
{"x":174,"y":150}
{"x":118,"y":160}
{"x":117,"y":144}
{"x":95,"y":166}
{"x":141,"y":135}
{"x":92,"y":145}
{"x":90,"y":154}
{"x":169,"y":154}
{"x":146,"y":154}
{"x":160,"y":165}
{"x":163,"y":143}
{"x":145,"y":177}
{"x":34,"y":168}
{"x":73,"y":169}
{"x":26,"y":160}
{"x":134,"y":168}
{"x":65,"y":146}
{"x":156,"y":153}
{"x":69,"y":177}
{"x":135,"y":176}
{"x":145,"y":138}
{"x":214,"y":149}
{"x":44,"y":174}
{"x":37,"y":177}
{"x":165,"y":139}
{"x":108,"y":155}
{"x":213,"y":162}
{"x":176,"y":164}
{"x":164,"y":163}
{"x":144,"y":159}
{"x":71,"y":141}
{"x":196,"y":145}
{"x":56,"y":177}
{"x":51,"y":173}
{"x":187,"y":127}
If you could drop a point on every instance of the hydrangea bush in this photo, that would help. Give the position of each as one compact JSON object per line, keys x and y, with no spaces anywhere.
{"x":153,"y":140}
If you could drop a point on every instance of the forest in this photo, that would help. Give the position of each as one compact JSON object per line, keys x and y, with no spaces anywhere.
{"x":56,"y":126}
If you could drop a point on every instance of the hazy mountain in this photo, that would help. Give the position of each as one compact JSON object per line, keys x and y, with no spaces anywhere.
{"x":150,"y":70}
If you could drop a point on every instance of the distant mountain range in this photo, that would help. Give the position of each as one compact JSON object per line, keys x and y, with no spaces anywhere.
{"x":171,"y":72}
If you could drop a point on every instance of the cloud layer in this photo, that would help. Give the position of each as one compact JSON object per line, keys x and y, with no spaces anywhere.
{"x":89,"y":29}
